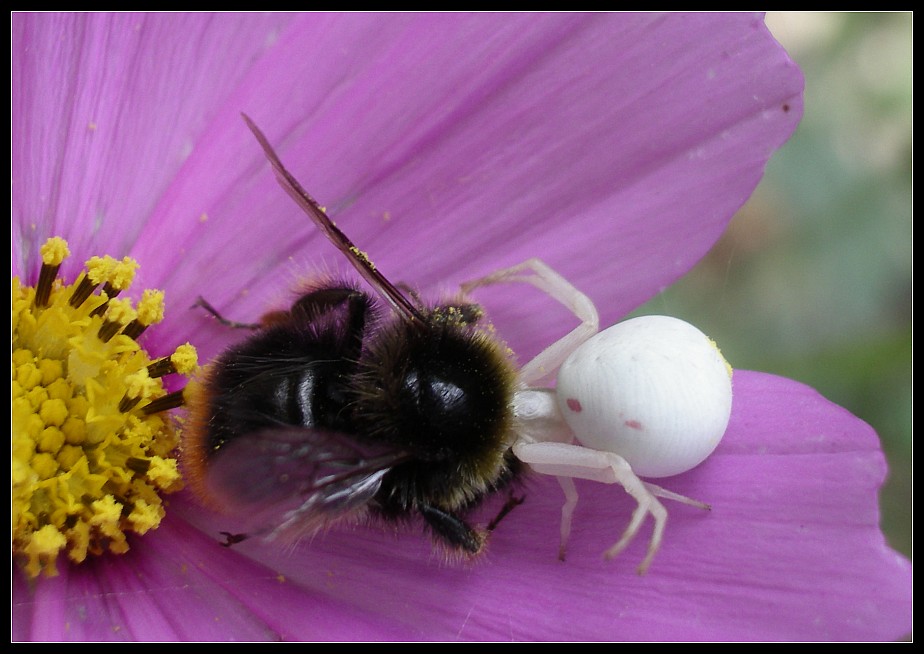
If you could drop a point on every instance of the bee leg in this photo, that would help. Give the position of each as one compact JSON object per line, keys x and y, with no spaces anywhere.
{"x":200,"y":302}
{"x":511,"y":503}
{"x":566,"y":460}
{"x":354,"y":306}
{"x":452,"y":529}
{"x":232,"y":539}
{"x":539,"y":274}
{"x":328,"y":298}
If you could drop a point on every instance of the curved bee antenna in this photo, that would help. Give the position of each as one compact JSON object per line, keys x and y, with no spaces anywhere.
{"x":357,"y":257}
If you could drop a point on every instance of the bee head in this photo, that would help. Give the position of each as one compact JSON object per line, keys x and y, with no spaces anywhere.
{"x":441,"y":394}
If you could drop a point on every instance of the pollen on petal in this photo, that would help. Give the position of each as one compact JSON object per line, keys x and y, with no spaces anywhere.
{"x":90,"y":457}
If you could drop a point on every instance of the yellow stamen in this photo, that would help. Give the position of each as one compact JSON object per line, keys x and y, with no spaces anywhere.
{"x":53,"y":253}
{"x":123,"y":273}
{"x":150,"y":312}
{"x":118,"y":314}
{"x":91,"y":452}
{"x":117,"y":275}
{"x":183,"y":361}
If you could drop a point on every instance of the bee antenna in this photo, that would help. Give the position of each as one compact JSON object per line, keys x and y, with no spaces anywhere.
{"x":357,"y":257}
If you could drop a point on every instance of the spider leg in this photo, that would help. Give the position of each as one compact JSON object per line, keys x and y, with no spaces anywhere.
{"x":568,"y":461}
{"x":539,"y":274}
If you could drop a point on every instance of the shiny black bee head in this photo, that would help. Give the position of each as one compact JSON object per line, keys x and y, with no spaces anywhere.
{"x":442,"y":393}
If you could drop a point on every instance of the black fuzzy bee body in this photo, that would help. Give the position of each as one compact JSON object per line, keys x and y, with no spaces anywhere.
{"x":294,"y":371}
{"x":331,"y":411}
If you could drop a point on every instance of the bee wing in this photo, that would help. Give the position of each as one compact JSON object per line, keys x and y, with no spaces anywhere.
{"x":292,"y":481}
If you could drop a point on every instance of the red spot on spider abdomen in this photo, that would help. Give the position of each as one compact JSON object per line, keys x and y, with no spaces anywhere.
{"x":574,"y":405}
{"x":633,"y":424}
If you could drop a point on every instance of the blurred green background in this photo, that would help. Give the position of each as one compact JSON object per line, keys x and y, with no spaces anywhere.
{"x":812,"y":280}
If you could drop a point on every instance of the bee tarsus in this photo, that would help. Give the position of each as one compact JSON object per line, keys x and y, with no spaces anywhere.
{"x":201,"y":302}
{"x":232,"y":539}
{"x":511,"y":503}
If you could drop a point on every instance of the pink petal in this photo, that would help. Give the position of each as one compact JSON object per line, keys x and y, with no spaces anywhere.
{"x":178,"y":584}
{"x":473,"y":150}
{"x":105,"y":111}
{"x":450,"y":145}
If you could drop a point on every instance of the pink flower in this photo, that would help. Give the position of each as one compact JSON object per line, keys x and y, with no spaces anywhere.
{"x":615,"y":147}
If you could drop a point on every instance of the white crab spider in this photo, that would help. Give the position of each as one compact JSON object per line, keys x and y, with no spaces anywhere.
{"x":650,"y":396}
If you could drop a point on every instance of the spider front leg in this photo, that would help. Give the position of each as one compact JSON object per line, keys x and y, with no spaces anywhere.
{"x":567,"y":461}
{"x":536,"y":272}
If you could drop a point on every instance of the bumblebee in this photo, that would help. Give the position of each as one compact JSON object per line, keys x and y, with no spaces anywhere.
{"x":343,"y":409}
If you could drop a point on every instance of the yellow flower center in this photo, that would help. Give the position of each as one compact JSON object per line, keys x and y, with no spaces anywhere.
{"x":91,"y":449}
